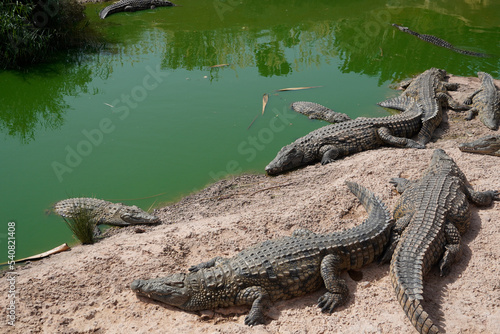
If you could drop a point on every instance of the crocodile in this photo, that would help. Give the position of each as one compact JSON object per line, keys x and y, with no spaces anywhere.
{"x":439,"y":42}
{"x":317,"y":111}
{"x":279,"y":269}
{"x":430,"y":216}
{"x":105,"y":212}
{"x":485,"y":145}
{"x":132,"y":6}
{"x":430,"y":90}
{"x":336,"y":140}
{"x":486,"y":102}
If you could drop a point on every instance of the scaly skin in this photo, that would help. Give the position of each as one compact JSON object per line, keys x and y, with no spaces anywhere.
{"x":439,"y":42}
{"x":486,"y":102}
{"x":430,"y":90}
{"x":278,"y":269}
{"x":317,"y":111}
{"x":336,"y":140}
{"x":486,"y":145}
{"x":132,"y":6}
{"x":105,"y":212}
{"x":430,"y":215}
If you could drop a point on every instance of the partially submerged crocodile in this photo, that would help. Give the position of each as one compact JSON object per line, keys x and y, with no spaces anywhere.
{"x":485,"y":145}
{"x":105,"y":212}
{"x":317,"y":111}
{"x":486,"y":102}
{"x":132,"y":6}
{"x":431,"y":214}
{"x":431,"y":91}
{"x":439,"y":42}
{"x":278,"y":269}
{"x":336,"y":140}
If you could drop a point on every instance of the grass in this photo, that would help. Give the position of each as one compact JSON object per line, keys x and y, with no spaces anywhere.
{"x":82,"y":224}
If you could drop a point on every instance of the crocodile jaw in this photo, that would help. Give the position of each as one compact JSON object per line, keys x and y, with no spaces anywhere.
{"x":134,"y":215}
{"x":486,"y":145}
{"x":170,"y":290}
{"x":289,"y":157}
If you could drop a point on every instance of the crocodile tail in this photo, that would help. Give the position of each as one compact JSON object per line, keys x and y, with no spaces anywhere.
{"x":111,"y":9}
{"x":401,"y":102}
{"x":369,"y":200}
{"x":412,"y":307}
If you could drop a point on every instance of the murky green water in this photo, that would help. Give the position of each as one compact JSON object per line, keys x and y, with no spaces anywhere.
{"x":148,"y":115}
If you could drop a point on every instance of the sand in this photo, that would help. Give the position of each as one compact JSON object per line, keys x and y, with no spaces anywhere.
{"x":86,"y":290}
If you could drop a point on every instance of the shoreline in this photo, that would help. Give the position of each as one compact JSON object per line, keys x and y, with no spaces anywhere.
{"x":86,"y":290}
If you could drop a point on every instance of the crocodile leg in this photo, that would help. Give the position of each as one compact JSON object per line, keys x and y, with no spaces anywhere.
{"x":482,"y":198}
{"x":259,"y":299}
{"x":387,"y":137}
{"x":471,"y":114}
{"x":450,"y":85}
{"x":330,"y":154}
{"x":397,"y":230}
{"x":211,"y":263}
{"x":302,"y":233}
{"x":469,"y":98}
{"x":337,"y":289}
{"x":452,"y":248}
{"x":400,"y":183}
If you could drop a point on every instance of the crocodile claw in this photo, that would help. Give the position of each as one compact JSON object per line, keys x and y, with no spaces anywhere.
{"x":329,"y":301}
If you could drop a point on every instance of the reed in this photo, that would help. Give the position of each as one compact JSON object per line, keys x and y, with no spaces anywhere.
{"x":83,"y":225}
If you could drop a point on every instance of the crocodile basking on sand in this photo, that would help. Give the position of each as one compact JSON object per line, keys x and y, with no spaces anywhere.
{"x":485,"y":145}
{"x":132,"y":6}
{"x":105,"y":212}
{"x":336,"y":140}
{"x":430,"y":215}
{"x":439,"y":42}
{"x":485,"y":102}
{"x":431,"y":91}
{"x":278,"y":269}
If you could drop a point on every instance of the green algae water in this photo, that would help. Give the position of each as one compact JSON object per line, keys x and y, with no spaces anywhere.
{"x":174,"y":101}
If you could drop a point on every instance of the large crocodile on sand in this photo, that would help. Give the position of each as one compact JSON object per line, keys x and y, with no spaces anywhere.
{"x":105,"y":212}
{"x":431,"y":214}
{"x":439,"y":42}
{"x":278,"y":269}
{"x":489,"y":144}
{"x":336,"y":140}
{"x":486,"y":102}
{"x":132,"y":6}
{"x":431,"y":91}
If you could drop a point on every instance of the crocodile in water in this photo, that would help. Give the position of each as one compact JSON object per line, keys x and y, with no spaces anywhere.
{"x":485,"y":145}
{"x":105,"y":212}
{"x":317,"y":111}
{"x":278,"y":269}
{"x":132,"y":6}
{"x":485,"y":102}
{"x":430,"y":90}
{"x":430,"y":215}
{"x":336,"y":140}
{"x":439,"y":42}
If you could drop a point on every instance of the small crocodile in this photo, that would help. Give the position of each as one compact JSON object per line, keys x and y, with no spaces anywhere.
{"x":430,"y":90}
{"x":132,"y":6}
{"x":486,"y":102}
{"x":430,"y":215}
{"x":439,"y":42}
{"x":279,"y":269}
{"x":317,"y":111}
{"x":485,"y":145}
{"x":336,"y":140}
{"x":105,"y":212}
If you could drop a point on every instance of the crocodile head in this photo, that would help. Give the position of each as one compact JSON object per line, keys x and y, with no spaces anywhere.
{"x":132,"y":215}
{"x":171,"y":290}
{"x":486,"y":145}
{"x":288,"y":158}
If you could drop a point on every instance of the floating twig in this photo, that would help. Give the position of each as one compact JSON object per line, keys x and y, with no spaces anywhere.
{"x":265,"y":98}
{"x":295,"y":88}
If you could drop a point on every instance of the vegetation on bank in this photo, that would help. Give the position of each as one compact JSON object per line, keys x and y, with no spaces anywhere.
{"x":83,"y":225}
{"x":31,"y":31}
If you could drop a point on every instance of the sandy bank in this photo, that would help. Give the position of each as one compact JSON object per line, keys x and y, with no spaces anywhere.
{"x":86,"y":290}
